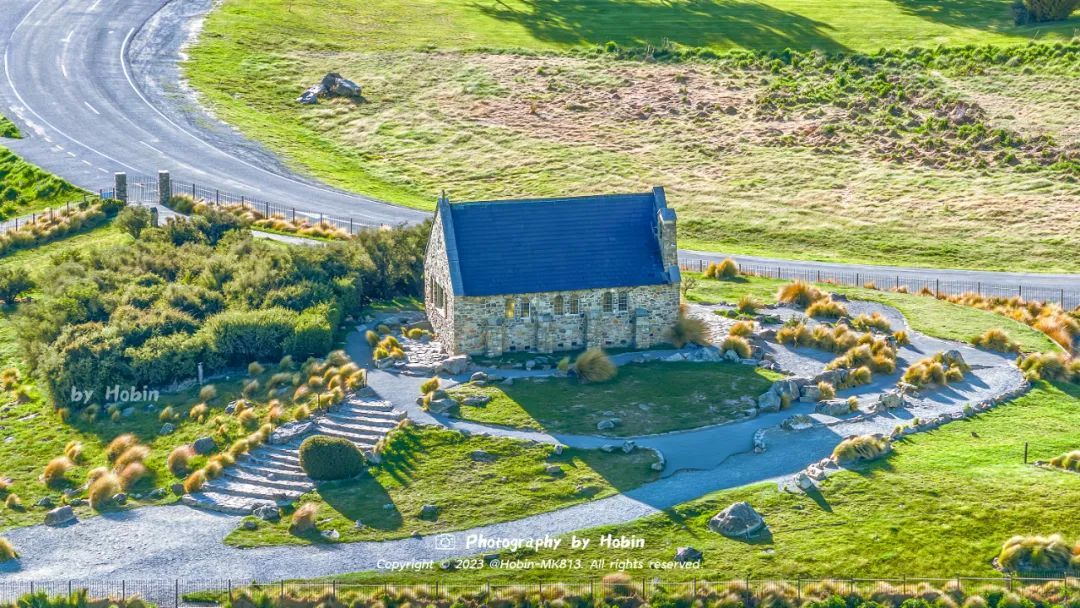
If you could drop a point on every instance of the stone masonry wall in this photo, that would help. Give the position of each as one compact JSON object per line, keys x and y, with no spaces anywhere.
{"x":481,"y":325}
{"x":437,"y":275}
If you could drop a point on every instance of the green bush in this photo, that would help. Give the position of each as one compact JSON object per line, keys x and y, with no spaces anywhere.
{"x":326,"y":458}
{"x":313,"y":335}
{"x":13,"y":284}
{"x":133,"y":220}
{"x":239,"y":336}
{"x":1039,"y":11}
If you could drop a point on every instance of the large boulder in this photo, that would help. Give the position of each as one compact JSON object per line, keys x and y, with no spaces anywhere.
{"x":441,"y":406}
{"x":688,"y":555}
{"x":204,"y":445}
{"x":740,"y":520}
{"x":834,"y":407}
{"x":335,"y":85}
{"x":429,"y":512}
{"x":953,"y":358}
{"x":60,"y":516}
{"x":891,"y":399}
{"x":608,"y":424}
{"x":770,"y":402}
{"x":454,"y":366}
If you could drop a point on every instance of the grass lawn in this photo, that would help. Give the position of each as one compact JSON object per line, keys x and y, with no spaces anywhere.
{"x":647,"y":397}
{"x":940,"y":506}
{"x":427,"y":465}
{"x":925,"y":314}
{"x":25,"y":189}
{"x":8,"y":129}
{"x":492,"y":99}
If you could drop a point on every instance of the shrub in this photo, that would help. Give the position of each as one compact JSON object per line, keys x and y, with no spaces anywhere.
{"x":862,"y":447}
{"x":136,"y":453}
{"x":594,"y":365}
{"x":1050,"y":366}
{"x":799,"y":293}
{"x":861,"y":375}
{"x":933,"y":371}
{"x":179,"y":459}
{"x":102,"y":490}
{"x":56,"y":471}
{"x":119,"y":445}
{"x":327,"y":458}
{"x":371,"y":337}
{"x":827,"y":390}
{"x":13,"y":502}
{"x":255,"y":369}
{"x":199,"y":412}
{"x":13,"y":284}
{"x":167,"y":414}
{"x":303,"y":519}
{"x":826,"y":307}
{"x":725,"y":270}
{"x":996,"y":339}
{"x":74,"y":452}
{"x":737,"y":344}
{"x":1047,"y":553}
{"x":133,"y":220}
{"x":7,"y":551}
{"x":132,"y":473}
{"x":747,"y":304}
{"x":208,"y":393}
{"x":1039,"y":11}
{"x":688,"y":330}
{"x":902,"y":338}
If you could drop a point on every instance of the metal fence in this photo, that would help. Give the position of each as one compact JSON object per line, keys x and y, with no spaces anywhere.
{"x":145,"y":190}
{"x":1059,"y":589}
{"x":1068,"y":298}
{"x":21,"y":222}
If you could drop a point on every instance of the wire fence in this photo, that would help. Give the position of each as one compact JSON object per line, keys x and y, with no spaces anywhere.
{"x":1067,"y":297}
{"x":21,"y":222}
{"x":146,"y":190}
{"x":747,"y":592}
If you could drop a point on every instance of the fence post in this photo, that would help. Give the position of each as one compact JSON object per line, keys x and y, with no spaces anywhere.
{"x":120,"y":192}
{"x":217,"y":197}
{"x":294,"y":215}
{"x":937,"y":287}
{"x":1025,"y":452}
{"x":351,"y":232}
{"x":267,"y":209}
{"x":164,"y":188}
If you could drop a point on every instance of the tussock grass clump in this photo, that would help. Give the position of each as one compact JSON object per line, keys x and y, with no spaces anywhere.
{"x":688,"y":330}
{"x":827,"y":390}
{"x":594,"y":365}
{"x":1049,"y":318}
{"x":102,"y":491}
{"x":179,"y":460}
{"x":132,"y":474}
{"x":743,"y":329}
{"x":136,"y":453}
{"x":737,"y":344}
{"x":13,"y":502}
{"x":74,"y":452}
{"x":119,"y":445}
{"x":875,"y":320}
{"x":933,"y":371}
{"x":7,"y":551}
{"x":199,"y":412}
{"x":1050,"y":366}
{"x":208,"y":393}
{"x":429,"y":385}
{"x":304,"y":519}
{"x":725,"y":270}
{"x":747,"y":304}
{"x":1021,"y":553}
{"x":876,"y":354}
{"x":861,"y":448}
{"x":255,"y":369}
{"x":55,"y":473}
{"x":996,"y":339}
{"x":826,"y":308}
{"x":901,"y":337}
{"x":1069,"y":461}
{"x":835,"y":339}
{"x":195,"y":481}
{"x":799,"y":293}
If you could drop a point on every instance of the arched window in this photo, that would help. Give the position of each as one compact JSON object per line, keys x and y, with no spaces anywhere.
{"x":559,"y":306}
{"x":607,"y":302}
{"x":575,"y":306}
{"x":509,"y":308}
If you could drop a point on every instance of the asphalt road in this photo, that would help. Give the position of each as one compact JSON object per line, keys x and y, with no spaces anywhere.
{"x":94,"y":85}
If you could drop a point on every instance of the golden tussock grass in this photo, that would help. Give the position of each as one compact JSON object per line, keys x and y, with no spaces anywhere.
{"x":737,"y":344}
{"x":799,"y":293}
{"x":56,"y":471}
{"x":102,"y":490}
{"x":119,"y":445}
{"x":861,"y":448}
{"x":179,"y":459}
{"x":304,"y":518}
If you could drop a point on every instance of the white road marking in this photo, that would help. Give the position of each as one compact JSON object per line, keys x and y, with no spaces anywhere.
{"x":103,"y":170}
{"x":93,"y":7}
{"x":63,"y":70}
{"x":152,"y":147}
{"x":92,"y":108}
{"x":71,"y":154}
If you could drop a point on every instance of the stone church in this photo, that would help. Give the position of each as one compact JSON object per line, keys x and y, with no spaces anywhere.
{"x":547,"y":275}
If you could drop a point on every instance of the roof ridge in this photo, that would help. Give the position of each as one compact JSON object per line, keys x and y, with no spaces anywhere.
{"x":556,"y":199}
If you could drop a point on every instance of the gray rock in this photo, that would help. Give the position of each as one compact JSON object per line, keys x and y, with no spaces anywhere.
{"x":834,"y":407}
{"x":167,"y":429}
{"x":455,"y":365}
{"x":60,"y":516}
{"x":481,"y":456}
{"x":79,"y":502}
{"x":120,"y":499}
{"x":441,"y":406}
{"x":954,"y":358}
{"x":769,"y":402}
{"x":554,"y":470}
{"x":45,"y":503}
{"x":204,"y":445}
{"x":248,"y":524}
{"x":810,"y":394}
{"x":429,"y":512}
{"x":797,"y":422}
{"x":740,"y":520}
{"x":128,"y":412}
{"x":267,"y":513}
{"x":177,"y":489}
{"x":628,"y":447}
{"x":158,"y":493}
{"x":892,"y":399}
{"x":479,"y":377}
{"x":608,"y":424}
{"x":476,"y":401}
{"x":804,"y":482}
{"x":688,"y":555}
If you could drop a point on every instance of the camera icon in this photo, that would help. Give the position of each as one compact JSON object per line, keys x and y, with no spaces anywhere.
{"x":445,"y":542}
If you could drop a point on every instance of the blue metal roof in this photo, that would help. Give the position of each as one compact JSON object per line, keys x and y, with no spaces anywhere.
{"x":559,"y":244}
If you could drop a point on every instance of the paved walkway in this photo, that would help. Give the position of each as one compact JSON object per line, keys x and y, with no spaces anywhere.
{"x":186,"y":543}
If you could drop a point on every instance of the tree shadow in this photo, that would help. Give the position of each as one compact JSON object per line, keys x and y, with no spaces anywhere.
{"x":983,"y":14}
{"x":637,"y":23}
{"x":365,"y":500}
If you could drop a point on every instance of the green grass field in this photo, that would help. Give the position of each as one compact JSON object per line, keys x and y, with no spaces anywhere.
{"x":648,"y":398}
{"x":430,"y":466}
{"x":940,"y":506}
{"x":8,"y":129}
{"x":817,"y":161}
{"x":25,"y":189}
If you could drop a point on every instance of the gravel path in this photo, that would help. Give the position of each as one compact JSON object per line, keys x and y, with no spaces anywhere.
{"x":186,"y":542}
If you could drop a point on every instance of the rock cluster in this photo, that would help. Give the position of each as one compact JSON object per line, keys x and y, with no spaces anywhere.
{"x":332,"y":85}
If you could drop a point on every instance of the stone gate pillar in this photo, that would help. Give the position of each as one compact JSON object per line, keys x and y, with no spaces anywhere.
{"x":164,"y":188}
{"x":120,"y":187}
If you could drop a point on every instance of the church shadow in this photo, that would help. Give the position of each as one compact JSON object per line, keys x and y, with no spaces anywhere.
{"x":365,"y":500}
{"x":639,"y":23}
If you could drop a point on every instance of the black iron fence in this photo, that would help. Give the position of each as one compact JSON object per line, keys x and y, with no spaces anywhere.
{"x":1059,"y":589}
{"x":1067,"y":297}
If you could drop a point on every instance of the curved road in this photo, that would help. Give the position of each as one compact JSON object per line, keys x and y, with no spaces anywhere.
{"x":95,"y":87}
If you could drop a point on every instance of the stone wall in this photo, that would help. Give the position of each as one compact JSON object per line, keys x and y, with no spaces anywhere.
{"x":437,"y":277}
{"x":481,"y":325}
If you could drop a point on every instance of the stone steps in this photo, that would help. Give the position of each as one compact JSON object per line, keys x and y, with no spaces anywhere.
{"x":271,"y":474}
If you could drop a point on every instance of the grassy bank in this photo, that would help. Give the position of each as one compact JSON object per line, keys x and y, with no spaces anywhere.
{"x":647,"y":398}
{"x":471,"y":480}
{"x":924,"y":314}
{"x":940,"y":506}
{"x":919,"y":159}
{"x":25,"y":189}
